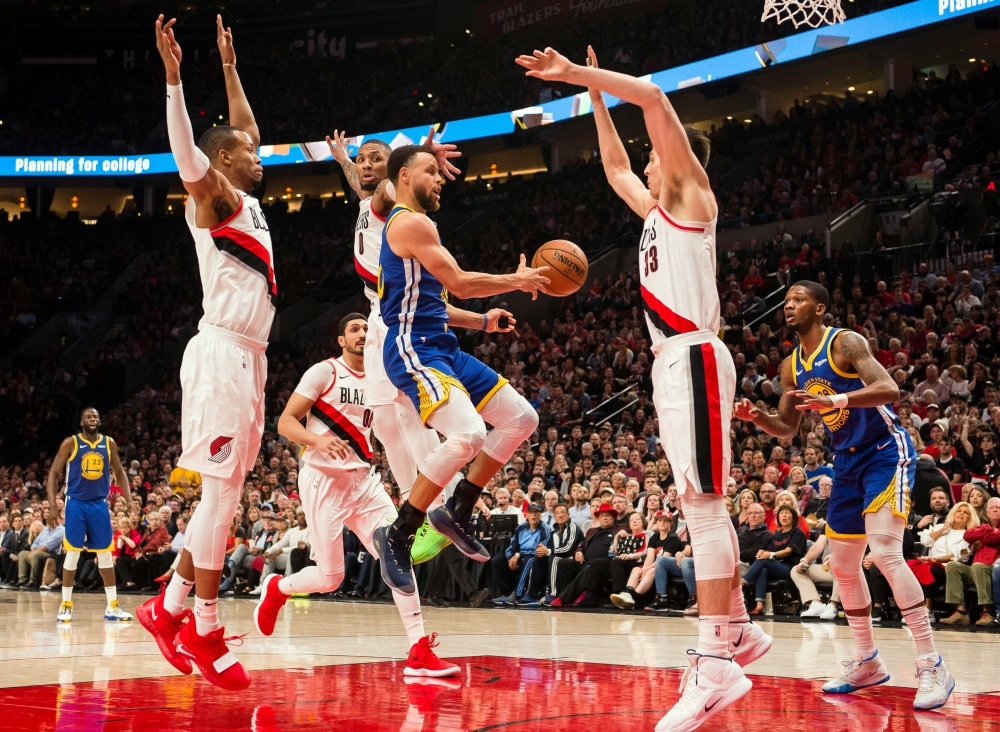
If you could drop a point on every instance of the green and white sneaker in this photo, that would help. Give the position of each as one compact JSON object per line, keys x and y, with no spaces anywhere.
{"x":427,"y":544}
{"x":65,"y":612}
{"x":113,"y":612}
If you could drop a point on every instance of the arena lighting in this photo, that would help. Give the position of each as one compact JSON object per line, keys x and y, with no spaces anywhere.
{"x":871,"y":91}
{"x":917,"y":14}
{"x":972,"y":60}
{"x":850,"y":88}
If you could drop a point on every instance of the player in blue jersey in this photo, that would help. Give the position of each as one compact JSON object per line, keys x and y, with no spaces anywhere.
{"x":89,"y":459}
{"x":833,"y":371}
{"x":453,"y":392}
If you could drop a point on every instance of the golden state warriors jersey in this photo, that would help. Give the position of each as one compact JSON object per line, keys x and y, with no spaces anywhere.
{"x":849,"y":427}
{"x":88,"y":471}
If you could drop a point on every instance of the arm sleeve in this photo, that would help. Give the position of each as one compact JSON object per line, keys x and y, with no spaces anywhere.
{"x":191,"y":162}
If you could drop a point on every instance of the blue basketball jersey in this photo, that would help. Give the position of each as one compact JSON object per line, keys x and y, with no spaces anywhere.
{"x":88,"y":471}
{"x":850,"y":427}
{"x":409,"y":295}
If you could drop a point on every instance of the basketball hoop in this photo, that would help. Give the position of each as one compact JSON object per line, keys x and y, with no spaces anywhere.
{"x":812,"y":13}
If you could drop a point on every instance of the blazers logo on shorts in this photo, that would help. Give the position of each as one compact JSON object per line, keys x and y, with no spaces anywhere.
{"x":220,"y":449}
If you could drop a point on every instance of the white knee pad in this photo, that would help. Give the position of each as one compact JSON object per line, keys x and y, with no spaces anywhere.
{"x":205,"y":538}
{"x":72,"y":560}
{"x":714,"y":545}
{"x":105,"y":560}
{"x":514,"y":420}
{"x":885,"y":539}
{"x":845,"y":564}
{"x":464,"y":432}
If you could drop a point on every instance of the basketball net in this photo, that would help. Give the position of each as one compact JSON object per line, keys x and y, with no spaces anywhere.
{"x":812,"y":13}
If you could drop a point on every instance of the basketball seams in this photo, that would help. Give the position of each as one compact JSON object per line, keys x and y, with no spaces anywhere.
{"x":563,"y":272}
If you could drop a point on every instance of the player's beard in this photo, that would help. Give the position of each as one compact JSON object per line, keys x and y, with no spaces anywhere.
{"x":356,"y":350}
{"x":426,"y":199}
{"x":369,"y":186}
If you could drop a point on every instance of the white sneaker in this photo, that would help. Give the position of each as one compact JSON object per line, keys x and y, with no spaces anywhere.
{"x":709,"y":685}
{"x":747,"y":642}
{"x":814,"y":610}
{"x":65,"y":612}
{"x":858,"y":674}
{"x":934,"y":683}
{"x":623,"y":600}
{"x":256,"y":590}
{"x":113,"y":612}
{"x":830,"y":613}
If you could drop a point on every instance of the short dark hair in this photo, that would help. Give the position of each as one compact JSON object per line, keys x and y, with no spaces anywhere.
{"x":790,"y":509}
{"x":401,"y":157}
{"x":220,"y":137}
{"x":342,"y":328}
{"x":701,"y":146}
{"x":816,"y":291}
{"x":380,"y":144}
{"x":89,"y":409}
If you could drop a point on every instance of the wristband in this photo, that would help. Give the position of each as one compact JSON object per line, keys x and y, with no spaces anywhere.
{"x":225,"y":65}
{"x":486,"y":323}
{"x":839,"y":400}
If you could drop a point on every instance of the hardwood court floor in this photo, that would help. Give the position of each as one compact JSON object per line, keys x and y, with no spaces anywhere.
{"x":337,"y":666}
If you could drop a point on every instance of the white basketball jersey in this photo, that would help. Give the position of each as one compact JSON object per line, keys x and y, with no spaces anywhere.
{"x":367,"y":245}
{"x":237,"y":270}
{"x":338,"y":396}
{"x":677,"y":276}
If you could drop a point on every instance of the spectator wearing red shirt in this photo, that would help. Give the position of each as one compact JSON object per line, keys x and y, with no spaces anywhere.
{"x":987,"y":537}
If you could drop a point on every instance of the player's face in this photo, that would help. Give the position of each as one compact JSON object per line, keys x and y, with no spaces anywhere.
{"x":91,"y":420}
{"x":353,"y":340}
{"x":425,"y":181}
{"x":801,"y":311}
{"x":371,"y":163}
{"x":653,"y":175}
{"x":245,"y":163}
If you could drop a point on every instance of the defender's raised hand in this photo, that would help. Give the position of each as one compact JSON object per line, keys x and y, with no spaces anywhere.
{"x":443,"y":152}
{"x":549,"y":65}
{"x":224,"y":37}
{"x":338,"y":146}
{"x":170,"y":50}
{"x":595,"y":93}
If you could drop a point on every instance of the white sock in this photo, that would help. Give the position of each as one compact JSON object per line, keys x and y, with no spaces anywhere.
{"x":206,"y":615}
{"x":920,"y":627}
{"x":864,"y":637}
{"x":112,"y":592}
{"x":409,"y":613}
{"x":176,"y":595}
{"x":738,"y":606}
{"x":713,"y":635}
{"x":67,"y":593}
{"x":307,"y":579}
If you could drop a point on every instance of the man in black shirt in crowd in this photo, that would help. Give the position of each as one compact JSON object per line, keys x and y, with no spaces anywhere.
{"x":565,"y":540}
{"x":947,"y":462}
{"x":593,"y":555}
{"x":927,"y":478}
{"x":940,"y":503}
{"x":753,"y":536}
{"x":981,"y":459}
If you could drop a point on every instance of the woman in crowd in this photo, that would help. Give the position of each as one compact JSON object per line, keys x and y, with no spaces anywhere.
{"x":744,"y":500}
{"x":795,"y":480}
{"x":629,"y":548}
{"x":653,"y":503}
{"x":783,"y":551}
{"x":944,"y":543}
{"x":731,"y":506}
{"x":978,"y":498}
{"x":812,"y":568}
{"x":126,"y":540}
{"x":786,"y":498}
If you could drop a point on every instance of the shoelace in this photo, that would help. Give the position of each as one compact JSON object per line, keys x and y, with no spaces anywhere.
{"x":432,"y":641}
{"x":850,"y":667}
{"x":236,"y":640}
{"x":926,"y":679}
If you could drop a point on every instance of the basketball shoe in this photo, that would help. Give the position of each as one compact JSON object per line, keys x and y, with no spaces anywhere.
{"x":213,"y":657}
{"x":422,"y":660}
{"x":393,"y":549}
{"x":858,"y":674}
{"x":427,"y":544}
{"x":747,"y":642}
{"x":709,"y":685}
{"x":164,"y":627}
{"x":115,"y":613}
{"x":65,"y":612}
{"x":934,"y":683}
{"x":271,"y":601}
{"x":459,"y":529}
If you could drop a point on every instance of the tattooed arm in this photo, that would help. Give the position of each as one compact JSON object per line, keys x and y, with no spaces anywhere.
{"x":851,"y":353}
{"x":338,"y":148}
{"x":783,"y":424}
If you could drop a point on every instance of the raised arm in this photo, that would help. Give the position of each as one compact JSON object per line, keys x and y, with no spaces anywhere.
{"x":786,"y":422}
{"x":851,"y":353}
{"x":116,"y":467}
{"x":617,"y":166}
{"x":338,"y":148}
{"x":55,"y":475}
{"x":240,"y":114}
{"x":414,"y":236}
{"x":207,"y":186}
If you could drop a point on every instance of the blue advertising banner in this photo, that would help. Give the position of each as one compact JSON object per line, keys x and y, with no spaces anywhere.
{"x":791,"y":48}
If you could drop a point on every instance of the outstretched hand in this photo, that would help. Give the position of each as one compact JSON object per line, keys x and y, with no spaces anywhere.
{"x":338,"y":146}
{"x":549,"y":65}
{"x":531,"y":280}
{"x":595,"y":93}
{"x":744,"y":409}
{"x":224,"y":37}
{"x":170,"y":50}
{"x":443,"y":152}
{"x":808,"y":400}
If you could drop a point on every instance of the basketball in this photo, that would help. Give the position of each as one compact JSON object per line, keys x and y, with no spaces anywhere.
{"x":567,"y":265}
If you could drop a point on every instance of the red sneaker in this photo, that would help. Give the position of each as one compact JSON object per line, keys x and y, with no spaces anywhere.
{"x":271,"y":601}
{"x":213,"y":657}
{"x":422,"y":660}
{"x":556,"y":603}
{"x":164,"y":627}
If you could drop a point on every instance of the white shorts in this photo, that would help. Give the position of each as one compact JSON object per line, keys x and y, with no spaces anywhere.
{"x":223,"y":376}
{"x":379,"y":390}
{"x":694,"y":385}
{"x":332,"y":500}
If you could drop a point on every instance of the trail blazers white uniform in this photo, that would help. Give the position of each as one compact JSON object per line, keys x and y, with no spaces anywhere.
{"x":694,"y":378}
{"x":224,"y":370}
{"x":340,"y":491}
{"x":367,"y":245}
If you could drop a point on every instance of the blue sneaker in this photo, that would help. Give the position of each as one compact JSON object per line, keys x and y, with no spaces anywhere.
{"x":460,"y":531}
{"x":528,"y":601}
{"x":504,"y":599}
{"x":859,"y":673}
{"x":393,"y":550}
{"x":547,"y":600}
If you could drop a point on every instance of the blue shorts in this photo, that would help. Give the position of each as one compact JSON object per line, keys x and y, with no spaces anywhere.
{"x":867,"y":479}
{"x":88,"y":525}
{"x":425,"y":365}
